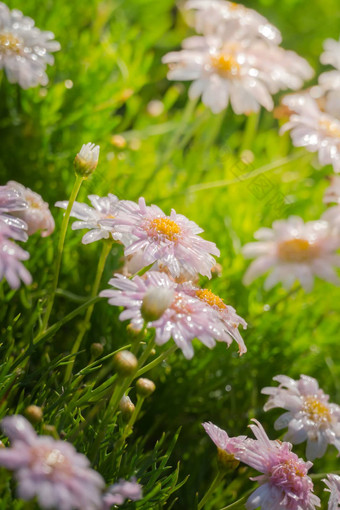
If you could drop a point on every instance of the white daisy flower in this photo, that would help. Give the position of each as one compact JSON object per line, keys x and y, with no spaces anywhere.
{"x":333,"y":484}
{"x":329,"y":84}
{"x":24,"y":49}
{"x":296,"y":251}
{"x":331,"y":55}
{"x":309,"y":417}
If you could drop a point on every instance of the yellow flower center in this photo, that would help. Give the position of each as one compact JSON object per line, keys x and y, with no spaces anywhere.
{"x":210,"y":298}
{"x":225,"y":64}
{"x":331,"y":127}
{"x":317,"y":411}
{"x":297,"y":250}
{"x":165,"y":227}
{"x":9,"y":44}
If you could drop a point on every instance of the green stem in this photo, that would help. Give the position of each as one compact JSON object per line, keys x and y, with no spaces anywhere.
{"x":63,"y":230}
{"x":156,"y":361}
{"x":85,"y":324}
{"x":250,"y":131}
{"x":215,"y":483}
{"x":320,"y":476}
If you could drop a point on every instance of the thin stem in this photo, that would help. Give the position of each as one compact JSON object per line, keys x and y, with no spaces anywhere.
{"x":320,"y":476}
{"x":156,"y":361}
{"x":215,"y":483}
{"x":250,"y":131}
{"x":128,"y":429}
{"x":60,"y":248}
{"x":85,"y":324}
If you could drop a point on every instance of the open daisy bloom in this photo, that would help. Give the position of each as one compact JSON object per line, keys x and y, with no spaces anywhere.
{"x":168,"y":241}
{"x":309,"y":417}
{"x":37,"y":214}
{"x":11,"y":254}
{"x":296,"y":251}
{"x":24,"y":49}
{"x":333,"y":484}
{"x":182,"y":315}
{"x":50,"y":470}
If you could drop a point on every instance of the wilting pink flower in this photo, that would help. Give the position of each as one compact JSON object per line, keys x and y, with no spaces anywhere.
{"x":121,"y":491}
{"x":333,"y":484}
{"x":50,"y":470}
{"x":11,"y":254}
{"x":90,"y":217}
{"x":313,"y":129}
{"x":25,"y":50}
{"x":245,"y":72}
{"x":169,"y":241}
{"x":37,"y":214}
{"x":231,"y":445}
{"x":187,"y":317}
{"x":11,"y":200}
{"x":331,"y":55}
{"x":309,"y":417}
{"x":222,"y":18}
{"x":296,"y":251}
{"x":284,"y":482}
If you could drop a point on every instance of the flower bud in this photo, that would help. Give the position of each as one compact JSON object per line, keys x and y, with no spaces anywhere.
{"x":34,"y":414}
{"x":155,"y":302}
{"x":86,"y":160}
{"x":226,"y":461}
{"x":50,"y":430}
{"x":145,"y":387}
{"x":126,"y":407}
{"x":133,"y":332}
{"x":96,"y":350}
{"x":125,"y":363}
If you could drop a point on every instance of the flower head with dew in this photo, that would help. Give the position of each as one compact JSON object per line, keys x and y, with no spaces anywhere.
{"x":91,"y":217}
{"x":222,"y":18}
{"x":118,"y":493}
{"x":295,"y":251}
{"x":11,"y":254}
{"x":37,"y":214}
{"x":184,"y":316}
{"x":284,"y":482}
{"x":25,"y":50}
{"x":169,"y":241}
{"x":48,"y":469}
{"x":309,"y":417}
{"x":246,"y":73}
{"x":313,"y":129}
{"x":11,"y":200}
{"x":333,"y":484}
{"x":86,"y":160}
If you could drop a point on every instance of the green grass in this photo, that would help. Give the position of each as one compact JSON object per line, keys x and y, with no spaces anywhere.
{"x":187,"y":159}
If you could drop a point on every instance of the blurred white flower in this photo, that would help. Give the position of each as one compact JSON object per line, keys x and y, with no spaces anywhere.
{"x":333,"y":484}
{"x":331,"y":55}
{"x":296,"y":251}
{"x":329,"y":84}
{"x":37,"y":214}
{"x":24,"y":49}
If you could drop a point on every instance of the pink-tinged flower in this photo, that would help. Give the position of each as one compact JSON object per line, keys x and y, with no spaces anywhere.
{"x":296,"y":251}
{"x":329,"y":87}
{"x":118,"y":493}
{"x":169,"y":241}
{"x":331,"y":55}
{"x":309,"y":417}
{"x":11,"y":254}
{"x":37,"y":214}
{"x":222,"y":18}
{"x":246,"y":73}
{"x":11,"y":200}
{"x":284,"y":482}
{"x":50,"y":470}
{"x":187,"y":317}
{"x":333,"y":484}
{"x":90,"y":217}
{"x":25,"y":50}
{"x":231,"y":445}
{"x":313,"y":129}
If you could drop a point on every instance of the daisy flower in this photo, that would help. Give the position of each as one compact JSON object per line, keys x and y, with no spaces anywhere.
{"x":121,"y":491}
{"x":231,"y":445}
{"x":11,"y":200}
{"x":24,"y":49}
{"x":331,"y":55}
{"x":313,"y":129}
{"x":284,"y":482}
{"x":309,"y":417}
{"x":296,"y":251}
{"x":185,"y":317}
{"x":11,"y":254}
{"x":246,"y":73}
{"x":50,"y":470}
{"x":91,"y":217}
{"x":37,"y":214}
{"x":169,"y":241}
{"x":333,"y":484}
{"x":329,"y":86}
{"x":219,"y":17}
